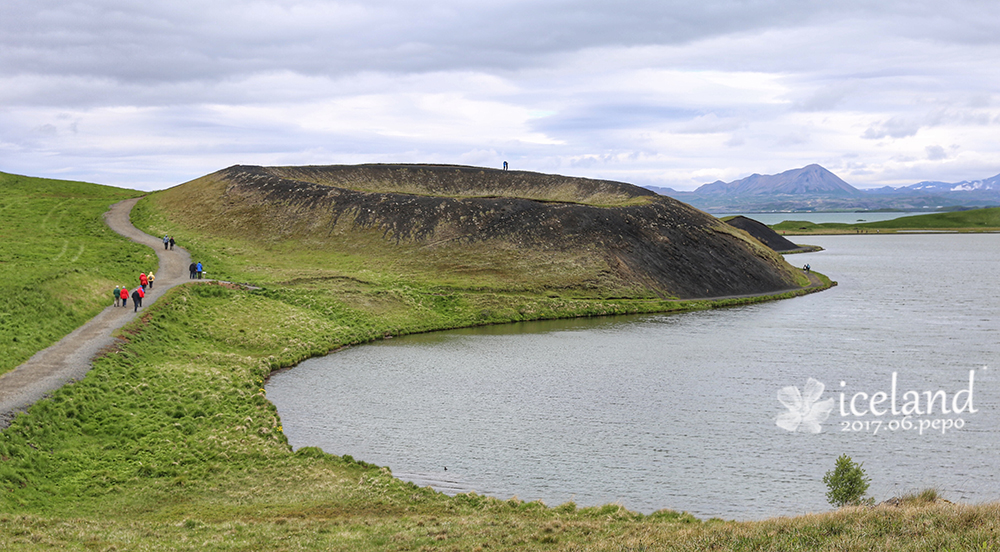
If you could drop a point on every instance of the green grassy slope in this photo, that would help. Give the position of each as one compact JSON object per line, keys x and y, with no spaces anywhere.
{"x":58,"y":260}
{"x":974,"y":220}
{"x":169,"y":443}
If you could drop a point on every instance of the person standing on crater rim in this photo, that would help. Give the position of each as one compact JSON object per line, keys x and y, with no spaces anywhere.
{"x":504,"y":165}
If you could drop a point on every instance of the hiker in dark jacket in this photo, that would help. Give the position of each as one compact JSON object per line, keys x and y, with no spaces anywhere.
{"x":192,"y":269}
{"x":136,"y":300}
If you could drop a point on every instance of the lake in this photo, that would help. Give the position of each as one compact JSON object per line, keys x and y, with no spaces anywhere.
{"x":680,"y":411}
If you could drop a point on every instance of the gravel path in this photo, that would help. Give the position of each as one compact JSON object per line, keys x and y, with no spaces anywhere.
{"x":70,"y":358}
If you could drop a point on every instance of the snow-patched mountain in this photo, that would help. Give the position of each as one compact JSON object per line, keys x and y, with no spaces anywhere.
{"x":937,"y":188}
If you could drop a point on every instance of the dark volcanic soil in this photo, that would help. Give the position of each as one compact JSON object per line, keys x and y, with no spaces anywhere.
{"x":763,"y":233}
{"x":652,"y":241}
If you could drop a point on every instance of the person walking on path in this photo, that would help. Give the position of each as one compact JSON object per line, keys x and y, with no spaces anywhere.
{"x":69,"y":359}
{"x":166,"y":241}
{"x":143,"y":280}
{"x":192,"y":269}
{"x":124,"y":296}
{"x":150,"y":277}
{"x":136,"y":299}
{"x":118,"y":296}
{"x":200,"y":270}
{"x":171,"y":243}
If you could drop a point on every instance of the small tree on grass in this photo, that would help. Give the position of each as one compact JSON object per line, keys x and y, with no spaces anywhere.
{"x":847,"y":482}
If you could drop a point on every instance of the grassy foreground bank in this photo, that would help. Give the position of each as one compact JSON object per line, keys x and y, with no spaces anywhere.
{"x":58,"y":260}
{"x":974,"y":220}
{"x":170,"y":443}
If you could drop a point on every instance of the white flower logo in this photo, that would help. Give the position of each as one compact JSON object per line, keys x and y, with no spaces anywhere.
{"x":804,"y":413}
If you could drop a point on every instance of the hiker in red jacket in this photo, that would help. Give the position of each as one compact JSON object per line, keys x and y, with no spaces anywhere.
{"x":143,"y":280}
{"x":124,"y":293}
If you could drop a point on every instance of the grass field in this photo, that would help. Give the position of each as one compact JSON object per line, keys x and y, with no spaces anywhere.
{"x":170,"y":442}
{"x":58,"y":260}
{"x":975,"y":220}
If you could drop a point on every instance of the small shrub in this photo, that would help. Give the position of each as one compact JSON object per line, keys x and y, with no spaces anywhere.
{"x":847,"y":482}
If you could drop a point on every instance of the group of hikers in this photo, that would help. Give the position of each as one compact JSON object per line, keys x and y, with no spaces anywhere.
{"x":121,"y":293}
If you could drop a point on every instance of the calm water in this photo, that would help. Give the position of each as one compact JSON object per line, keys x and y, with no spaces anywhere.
{"x":679,"y":411}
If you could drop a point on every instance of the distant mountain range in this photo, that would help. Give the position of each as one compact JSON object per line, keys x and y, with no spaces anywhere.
{"x":814,"y":188}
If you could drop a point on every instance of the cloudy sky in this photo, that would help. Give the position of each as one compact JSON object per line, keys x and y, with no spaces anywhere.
{"x":149,"y":94}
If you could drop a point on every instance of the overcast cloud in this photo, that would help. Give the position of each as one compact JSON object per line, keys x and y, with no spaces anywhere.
{"x":668,"y":93}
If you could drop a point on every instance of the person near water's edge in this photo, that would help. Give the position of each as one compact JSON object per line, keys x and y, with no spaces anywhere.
{"x":124,"y":296}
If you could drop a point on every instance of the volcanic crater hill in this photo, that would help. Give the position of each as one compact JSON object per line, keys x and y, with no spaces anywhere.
{"x":516,"y":229}
{"x":763,"y":233}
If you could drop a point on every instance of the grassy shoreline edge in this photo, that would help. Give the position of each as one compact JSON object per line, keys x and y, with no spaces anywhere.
{"x":242,"y":488}
{"x":170,"y":443}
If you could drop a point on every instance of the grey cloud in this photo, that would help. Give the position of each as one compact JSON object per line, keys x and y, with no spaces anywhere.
{"x":936,"y":153}
{"x":828,"y":96}
{"x":187,"y":40}
{"x":896,"y":127}
{"x":168,"y":69}
{"x":602,"y":117}
{"x":903,"y":127}
{"x":711,"y":124}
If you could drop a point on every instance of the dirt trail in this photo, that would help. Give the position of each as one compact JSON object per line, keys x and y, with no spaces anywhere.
{"x":69,"y":359}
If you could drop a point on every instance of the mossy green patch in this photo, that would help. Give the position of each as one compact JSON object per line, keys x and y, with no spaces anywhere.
{"x":58,"y":260}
